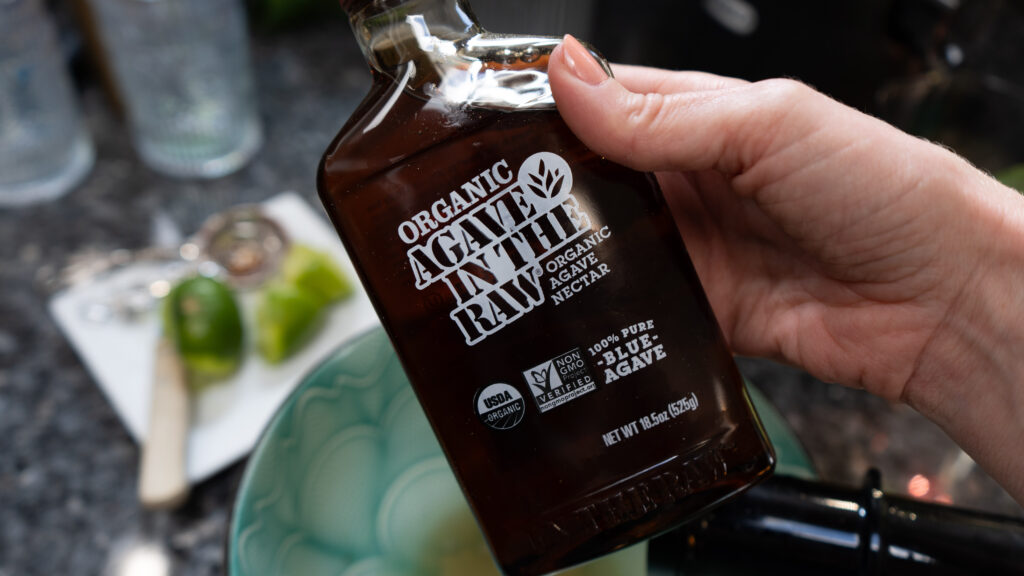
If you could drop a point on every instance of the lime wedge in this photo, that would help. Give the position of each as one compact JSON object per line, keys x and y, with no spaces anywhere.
{"x":286,"y":317}
{"x":201,"y":317}
{"x":316,"y":272}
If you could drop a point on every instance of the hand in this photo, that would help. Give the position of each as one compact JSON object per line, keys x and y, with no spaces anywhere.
{"x":828,"y":239}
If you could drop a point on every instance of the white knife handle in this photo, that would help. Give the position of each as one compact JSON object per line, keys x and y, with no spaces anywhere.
{"x":162,"y":479}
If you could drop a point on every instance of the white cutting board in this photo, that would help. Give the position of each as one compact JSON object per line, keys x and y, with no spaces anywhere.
{"x":228,"y":417}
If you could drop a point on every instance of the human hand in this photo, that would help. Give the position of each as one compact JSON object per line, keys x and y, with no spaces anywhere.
{"x":828,"y":239}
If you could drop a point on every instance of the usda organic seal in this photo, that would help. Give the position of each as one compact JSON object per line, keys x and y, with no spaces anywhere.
{"x":500,"y":406}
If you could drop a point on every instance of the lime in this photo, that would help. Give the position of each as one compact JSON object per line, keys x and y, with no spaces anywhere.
{"x":201,"y":317}
{"x":316,"y":272}
{"x":286,"y":317}
{"x":1013,"y":177}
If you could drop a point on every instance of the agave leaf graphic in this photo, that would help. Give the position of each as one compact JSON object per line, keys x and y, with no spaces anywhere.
{"x":546,"y":182}
{"x":557,"y":185}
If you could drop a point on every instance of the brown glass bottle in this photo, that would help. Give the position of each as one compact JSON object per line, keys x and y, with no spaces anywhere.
{"x":540,"y":297}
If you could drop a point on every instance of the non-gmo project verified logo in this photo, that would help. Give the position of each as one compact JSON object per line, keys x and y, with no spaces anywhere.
{"x":559,"y":380}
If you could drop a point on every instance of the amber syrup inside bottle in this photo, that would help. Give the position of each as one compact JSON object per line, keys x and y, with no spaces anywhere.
{"x":539,"y":296}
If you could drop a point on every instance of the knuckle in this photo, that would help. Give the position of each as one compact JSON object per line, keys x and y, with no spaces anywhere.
{"x":784,"y":91}
{"x":779,"y":97}
{"x":645,"y":109}
{"x":646,"y":113}
{"x":780,"y":114}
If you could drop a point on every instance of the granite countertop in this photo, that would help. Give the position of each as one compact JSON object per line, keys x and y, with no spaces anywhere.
{"x":68,"y":469}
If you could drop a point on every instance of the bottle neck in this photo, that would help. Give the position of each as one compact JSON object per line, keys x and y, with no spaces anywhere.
{"x":435,"y":50}
{"x":393,"y":33}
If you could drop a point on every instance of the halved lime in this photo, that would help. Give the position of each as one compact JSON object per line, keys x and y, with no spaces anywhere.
{"x":315,"y":272}
{"x":286,"y":317}
{"x":202,"y":318}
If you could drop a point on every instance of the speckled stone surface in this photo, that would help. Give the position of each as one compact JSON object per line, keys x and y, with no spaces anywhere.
{"x":67,"y":467}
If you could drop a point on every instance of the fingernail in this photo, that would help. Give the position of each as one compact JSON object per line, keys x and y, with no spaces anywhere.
{"x":581,"y":62}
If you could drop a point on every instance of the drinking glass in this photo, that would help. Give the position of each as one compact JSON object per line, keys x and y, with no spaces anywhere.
{"x":183,"y":71}
{"x":44,"y":148}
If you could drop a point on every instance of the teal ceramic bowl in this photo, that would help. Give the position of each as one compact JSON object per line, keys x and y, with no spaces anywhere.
{"x":348,"y":480}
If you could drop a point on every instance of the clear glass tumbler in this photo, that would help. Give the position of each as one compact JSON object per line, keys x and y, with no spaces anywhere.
{"x":44,"y":148}
{"x":183,"y":71}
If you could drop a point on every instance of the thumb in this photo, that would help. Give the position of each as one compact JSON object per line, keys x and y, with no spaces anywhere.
{"x":683,"y":121}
